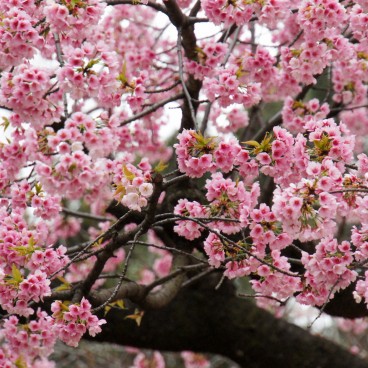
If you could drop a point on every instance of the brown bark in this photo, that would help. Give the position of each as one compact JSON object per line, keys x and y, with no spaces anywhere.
{"x":213,"y":322}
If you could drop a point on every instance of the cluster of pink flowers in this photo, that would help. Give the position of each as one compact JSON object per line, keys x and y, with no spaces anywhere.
{"x":305,"y":62}
{"x":231,"y":86}
{"x":296,"y":113}
{"x":27,"y":344}
{"x":74,"y":18}
{"x":50,"y":261}
{"x":359,"y":238}
{"x":327,"y":271}
{"x":237,"y":262}
{"x":81,"y":130}
{"x":229,"y":12}
{"x":26,"y":90}
{"x":136,"y":88}
{"x":358,"y":22}
{"x":274,"y":284}
{"x":330,"y":140}
{"x":91,"y":71}
{"x":16,"y":292}
{"x":133,"y":185}
{"x":349,"y":78}
{"x":209,"y":56}
{"x":197,"y":154}
{"x":318,"y":16}
{"x":72,"y":137}
{"x":74,"y":321}
{"x":46,"y":206}
{"x":241,"y":12}
{"x":189,"y":229}
{"x":215,"y":250}
{"x":266,"y":230}
{"x":70,"y":173}
{"x":225,"y":197}
{"x":260,"y":67}
{"x":17,"y":37}
{"x":306,"y":213}
{"x":274,"y":154}
{"x":23,"y":249}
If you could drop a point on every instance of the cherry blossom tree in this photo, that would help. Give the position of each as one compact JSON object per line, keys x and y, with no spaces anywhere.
{"x":192,"y":231}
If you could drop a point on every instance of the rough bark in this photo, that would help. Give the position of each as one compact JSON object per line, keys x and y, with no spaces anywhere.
{"x":208,"y":321}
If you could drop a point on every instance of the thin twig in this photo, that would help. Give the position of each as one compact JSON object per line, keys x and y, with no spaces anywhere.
{"x":152,"y":108}
{"x":349,"y":190}
{"x":326,"y":302}
{"x":85,"y":215}
{"x":173,"y":274}
{"x":225,"y":239}
{"x":59,"y":55}
{"x":198,"y":277}
{"x":263,"y":296}
{"x":171,"y":249}
{"x":232,"y":46}
{"x":150,"y":4}
{"x":181,"y":75}
{"x":163,"y":89}
{"x":102,"y":237}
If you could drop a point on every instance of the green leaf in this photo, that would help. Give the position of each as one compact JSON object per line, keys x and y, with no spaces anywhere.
{"x":91,"y":64}
{"x":16,"y":274}
{"x":252,"y":143}
{"x":20,"y":362}
{"x":64,"y":286}
{"x":127,"y":173}
{"x":160,"y":167}
{"x":122,"y":76}
{"x":120,"y":191}
{"x":6,"y":123}
{"x":119,"y":304}
{"x":38,"y":187}
{"x":137,"y":316}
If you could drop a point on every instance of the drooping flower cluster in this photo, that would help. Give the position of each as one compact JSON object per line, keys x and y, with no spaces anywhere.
{"x":74,"y":320}
{"x":189,"y":229}
{"x":16,"y":291}
{"x":327,"y":271}
{"x":27,"y":344}
{"x":225,"y":197}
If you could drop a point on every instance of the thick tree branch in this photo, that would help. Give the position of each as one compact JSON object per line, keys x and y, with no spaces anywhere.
{"x":150,"y":4}
{"x":222,"y":324}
